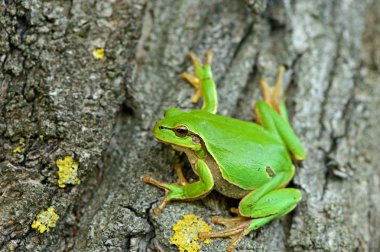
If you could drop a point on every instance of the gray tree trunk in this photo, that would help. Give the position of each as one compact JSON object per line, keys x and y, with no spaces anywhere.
{"x":57,"y":100}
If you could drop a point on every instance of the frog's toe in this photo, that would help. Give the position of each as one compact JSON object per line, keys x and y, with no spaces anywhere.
{"x":193,"y":80}
{"x":273,"y":95}
{"x":234,"y":241}
{"x":208,"y":57}
{"x":228,"y":222}
{"x":195,"y":60}
{"x":236,"y":230}
{"x":181,"y":178}
{"x":160,"y":208}
{"x":154,"y":182}
{"x":235,"y":210}
{"x":196,"y":83}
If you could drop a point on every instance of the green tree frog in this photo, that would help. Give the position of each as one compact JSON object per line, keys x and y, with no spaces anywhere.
{"x":240,"y":159}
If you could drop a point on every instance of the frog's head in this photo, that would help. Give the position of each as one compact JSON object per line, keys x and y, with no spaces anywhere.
{"x":175,"y":128}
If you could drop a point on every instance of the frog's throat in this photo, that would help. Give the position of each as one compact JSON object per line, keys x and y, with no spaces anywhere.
{"x":200,"y":153}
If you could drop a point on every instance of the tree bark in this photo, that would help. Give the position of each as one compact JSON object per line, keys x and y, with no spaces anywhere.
{"x":57,"y":100}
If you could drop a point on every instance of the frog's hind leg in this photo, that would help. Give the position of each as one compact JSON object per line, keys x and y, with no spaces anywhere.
{"x":203,"y":82}
{"x":269,"y":207}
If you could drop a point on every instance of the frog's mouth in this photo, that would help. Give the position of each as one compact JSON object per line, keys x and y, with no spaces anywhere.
{"x":163,"y":134}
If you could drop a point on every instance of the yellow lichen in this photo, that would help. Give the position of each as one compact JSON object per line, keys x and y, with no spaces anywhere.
{"x":45,"y":220}
{"x":186,"y":233}
{"x":67,"y":173}
{"x":21,"y":146}
{"x":98,"y":53}
{"x":18,"y":149}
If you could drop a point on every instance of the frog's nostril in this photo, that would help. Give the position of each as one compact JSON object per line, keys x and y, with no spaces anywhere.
{"x":161,"y":127}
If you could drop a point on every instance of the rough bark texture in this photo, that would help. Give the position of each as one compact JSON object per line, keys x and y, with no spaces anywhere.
{"x":57,"y":100}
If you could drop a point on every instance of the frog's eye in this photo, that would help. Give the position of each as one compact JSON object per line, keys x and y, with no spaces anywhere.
{"x":181,"y":131}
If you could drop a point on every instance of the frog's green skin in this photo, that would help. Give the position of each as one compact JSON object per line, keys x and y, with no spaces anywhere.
{"x":251,"y":161}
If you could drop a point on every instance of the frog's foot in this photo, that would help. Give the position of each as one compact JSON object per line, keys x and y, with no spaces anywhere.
{"x":181,"y":181}
{"x":183,"y":190}
{"x":169,"y":189}
{"x":235,"y":210}
{"x":196,"y":83}
{"x":195,"y":80}
{"x":149,"y":180}
{"x":273,"y":95}
{"x":236,"y":229}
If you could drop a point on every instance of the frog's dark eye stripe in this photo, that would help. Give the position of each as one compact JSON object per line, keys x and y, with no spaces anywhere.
{"x":181,"y":131}
{"x":163,"y":127}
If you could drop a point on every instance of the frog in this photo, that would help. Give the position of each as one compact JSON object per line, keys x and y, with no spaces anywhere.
{"x":245,"y":160}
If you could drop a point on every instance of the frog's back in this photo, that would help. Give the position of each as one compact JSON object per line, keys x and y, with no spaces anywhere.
{"x":241,"y":149}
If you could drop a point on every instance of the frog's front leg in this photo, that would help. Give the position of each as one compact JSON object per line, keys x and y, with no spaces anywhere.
{"x":183,"y":190}
{"x":203,"y":83}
